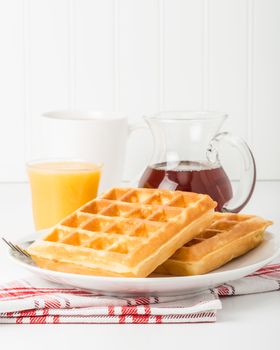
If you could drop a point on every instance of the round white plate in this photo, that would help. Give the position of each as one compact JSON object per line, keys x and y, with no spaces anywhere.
{"x":159,"y":286}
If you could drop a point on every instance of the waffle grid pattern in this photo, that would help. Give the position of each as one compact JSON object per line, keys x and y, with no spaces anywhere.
{"x":125,"y":232}
{"x":116,"y":223}
{"x":222,"y":224}
{"x":227,"y":237}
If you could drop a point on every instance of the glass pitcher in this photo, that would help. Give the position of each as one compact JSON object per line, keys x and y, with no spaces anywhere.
{"x":186,"y":158}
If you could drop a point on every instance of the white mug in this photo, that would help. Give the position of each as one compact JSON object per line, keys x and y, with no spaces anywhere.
{"x":92,"y":136}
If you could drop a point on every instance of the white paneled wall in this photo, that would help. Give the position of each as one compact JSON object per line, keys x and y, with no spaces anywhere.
{"x":12,"y":91}
{"x":139,"y":56}
{"x":265,"y":65}
{"x":93,"y":70}
{"x":137,"y":51}
{"x":47,"y":70}
{"x":182,"y":54}
{"x":227,"y":47}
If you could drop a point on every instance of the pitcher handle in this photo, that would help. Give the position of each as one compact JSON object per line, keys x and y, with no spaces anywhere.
{"x":248,"y":169}
{"x":131,"y":129}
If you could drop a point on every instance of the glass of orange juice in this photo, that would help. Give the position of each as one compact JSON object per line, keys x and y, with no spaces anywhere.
{"x":59,"y":187}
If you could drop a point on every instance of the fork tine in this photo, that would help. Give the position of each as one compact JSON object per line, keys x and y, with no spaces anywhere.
{"x":16,"y":247}
{"x":23,"y":251}
{"x":8,"y":243}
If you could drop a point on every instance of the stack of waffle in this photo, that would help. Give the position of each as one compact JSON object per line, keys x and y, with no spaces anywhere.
{"x":132,"y":232}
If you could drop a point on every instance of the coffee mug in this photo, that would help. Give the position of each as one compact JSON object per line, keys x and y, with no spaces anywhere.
{"x":98,"y":137}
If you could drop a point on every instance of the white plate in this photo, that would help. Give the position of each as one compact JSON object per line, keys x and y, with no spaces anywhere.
{"x":168,"y":286}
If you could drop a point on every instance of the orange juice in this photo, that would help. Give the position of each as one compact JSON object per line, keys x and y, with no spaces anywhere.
{"x":59,"y":188}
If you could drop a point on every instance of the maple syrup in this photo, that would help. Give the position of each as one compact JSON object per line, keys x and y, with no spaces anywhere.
{"x":190,"y":176}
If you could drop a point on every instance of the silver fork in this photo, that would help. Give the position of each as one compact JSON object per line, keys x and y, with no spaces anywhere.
{"x":16,"y":248}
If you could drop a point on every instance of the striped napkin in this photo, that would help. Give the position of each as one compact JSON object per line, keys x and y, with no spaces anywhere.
{"x":32,"y":300}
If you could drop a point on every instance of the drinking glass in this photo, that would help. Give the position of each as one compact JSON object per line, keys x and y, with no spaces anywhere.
{"x":60,"y":186}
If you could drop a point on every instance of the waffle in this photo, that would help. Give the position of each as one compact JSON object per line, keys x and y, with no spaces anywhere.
{"x":125,"y":232}
{"x":229,"y":236}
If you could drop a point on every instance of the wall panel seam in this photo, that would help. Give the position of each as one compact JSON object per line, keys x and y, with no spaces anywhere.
{"x":161,"y":48}
{"x":72,"y":47}
{"x":116,"y":61}
{"x":250,"y":69}
{"x":205,"y":55}
{"x":26,"y":80}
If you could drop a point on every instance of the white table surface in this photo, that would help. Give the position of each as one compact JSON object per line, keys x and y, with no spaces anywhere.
{"x":251,"y":322}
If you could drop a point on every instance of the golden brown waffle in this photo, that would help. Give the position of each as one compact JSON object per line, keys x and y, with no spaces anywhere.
{"x":125,"y":232}
{"x":229,"y":236}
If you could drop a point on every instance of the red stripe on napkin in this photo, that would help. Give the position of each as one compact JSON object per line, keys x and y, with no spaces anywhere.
{"x":34,"y":300}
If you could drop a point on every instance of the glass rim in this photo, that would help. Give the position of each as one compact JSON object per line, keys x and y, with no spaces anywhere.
{"x":33,"y":162}
{"x":188,"y":115}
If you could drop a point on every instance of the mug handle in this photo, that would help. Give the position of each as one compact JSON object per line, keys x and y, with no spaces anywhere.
{"x":247,"y":179}
{"x":131,"y":129}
